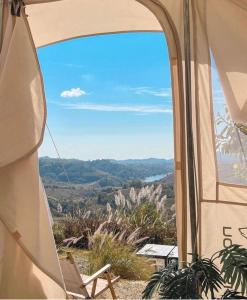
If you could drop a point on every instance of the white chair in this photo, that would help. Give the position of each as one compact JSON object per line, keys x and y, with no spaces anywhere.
{"x":80,"y":286}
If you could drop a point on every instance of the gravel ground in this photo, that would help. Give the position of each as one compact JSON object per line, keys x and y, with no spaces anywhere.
{"x":126,"y":289}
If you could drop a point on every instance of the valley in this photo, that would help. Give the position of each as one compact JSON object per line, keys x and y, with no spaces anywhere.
{"x":72,"y":184}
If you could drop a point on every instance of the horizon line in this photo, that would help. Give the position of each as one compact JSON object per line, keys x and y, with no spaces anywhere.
{"x":122,"y":159}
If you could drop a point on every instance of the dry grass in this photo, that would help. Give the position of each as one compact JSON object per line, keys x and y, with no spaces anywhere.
{"x":148,"y":194}
{"x":107,"y":250}
{"x":139,"y":217}
{"x":123,"y":260}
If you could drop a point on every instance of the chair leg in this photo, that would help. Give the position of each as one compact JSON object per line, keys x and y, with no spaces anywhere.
{"x":94,"y":288}
{"x":111,"y":286}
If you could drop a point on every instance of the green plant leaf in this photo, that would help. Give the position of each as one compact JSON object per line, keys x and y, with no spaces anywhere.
{"x":157,"y":279}
{"x":209,"y":276}
{"x":231,"y":294}
{"x":234,"y":266}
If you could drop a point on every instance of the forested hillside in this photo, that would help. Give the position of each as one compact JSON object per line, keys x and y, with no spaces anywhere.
{"x":103,"y":172}
{"x":92,"y":184}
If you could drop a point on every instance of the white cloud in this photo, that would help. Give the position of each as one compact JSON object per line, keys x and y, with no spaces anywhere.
{"x":118,"y":108}
{"x":163,"y":93}
{"x":66,"y":65}
{"x":74,"y":92}
{"x":151,"y":91}
{"x":77,"y":66}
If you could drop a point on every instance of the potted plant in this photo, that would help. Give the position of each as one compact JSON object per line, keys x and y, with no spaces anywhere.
{"x":202,"y":278}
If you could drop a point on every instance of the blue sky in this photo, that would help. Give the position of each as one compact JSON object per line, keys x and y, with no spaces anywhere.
{"x":109,"y":96}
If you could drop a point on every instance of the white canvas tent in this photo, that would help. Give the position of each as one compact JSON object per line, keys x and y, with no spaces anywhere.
{"x":213,"y":31}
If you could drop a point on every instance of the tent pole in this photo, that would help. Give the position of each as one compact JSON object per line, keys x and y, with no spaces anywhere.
{"x":189,"y":130}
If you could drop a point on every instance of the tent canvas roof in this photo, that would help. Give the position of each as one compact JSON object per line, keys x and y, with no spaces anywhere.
{"x":52,"y":22}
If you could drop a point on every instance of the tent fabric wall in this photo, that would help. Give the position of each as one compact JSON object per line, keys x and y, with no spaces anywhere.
{"x":19,"y":101}
{"x":23,"y":210}
{"x":232,"y":65}
{"x":222,"y":207}
{"x":217,"y":29}
{"x":29,"y":266}
{"x":20,"y":278}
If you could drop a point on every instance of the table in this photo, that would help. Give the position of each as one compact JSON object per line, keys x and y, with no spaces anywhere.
{"x":159,"y":251}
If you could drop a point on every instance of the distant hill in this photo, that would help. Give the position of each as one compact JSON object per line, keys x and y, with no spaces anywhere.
{"x":104,"y":172}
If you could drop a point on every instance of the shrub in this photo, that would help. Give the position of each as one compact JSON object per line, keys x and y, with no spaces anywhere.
{"x":80,"y":224}
{"x":58,"y":232}
{"x":148,"y":209}
{"x":152,"y":224}
{"x":78,"y":230}
{"x":107,"y":250}
{"x":145,"y":215}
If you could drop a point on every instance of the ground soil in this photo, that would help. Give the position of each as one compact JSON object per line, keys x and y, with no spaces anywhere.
{"x":126,"y":289}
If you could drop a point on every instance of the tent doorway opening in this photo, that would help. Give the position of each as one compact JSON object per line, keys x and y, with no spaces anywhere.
{"x":110,"y":123}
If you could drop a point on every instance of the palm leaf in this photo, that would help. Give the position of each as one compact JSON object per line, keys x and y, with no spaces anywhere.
{"x":234,"y":266}
{"x":231,"y":294}
{"x":152,"y":286}
{"x":180,"y":284}
{"x":157,"y":279}
{"x":209,"y":276}
{"x":202,"y":277}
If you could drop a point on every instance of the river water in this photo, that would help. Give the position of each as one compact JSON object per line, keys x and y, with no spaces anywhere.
{"x":154,"y":178}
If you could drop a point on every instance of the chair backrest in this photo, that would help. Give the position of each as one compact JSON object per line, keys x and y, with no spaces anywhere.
{"x":71,"y":275}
